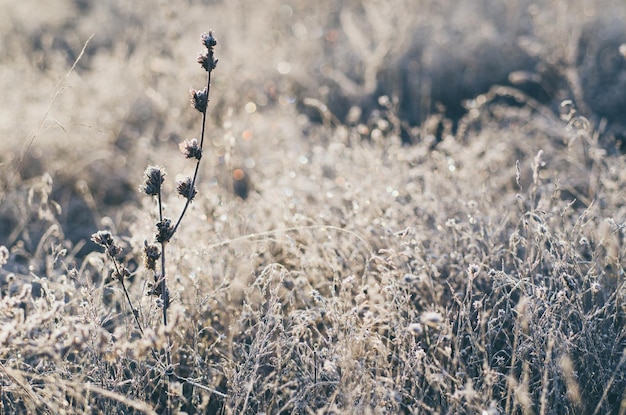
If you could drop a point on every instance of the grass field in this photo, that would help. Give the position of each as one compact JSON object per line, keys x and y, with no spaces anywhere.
{"x":407,"y":207}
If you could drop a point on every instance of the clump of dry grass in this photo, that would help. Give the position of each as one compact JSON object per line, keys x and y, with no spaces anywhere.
{"x":416,"y":291}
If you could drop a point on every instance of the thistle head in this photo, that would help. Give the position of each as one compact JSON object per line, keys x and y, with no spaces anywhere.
{"x":105,"y":240}
{"x":151,"y":254}
{"x":191,"y":149}
{"x":121,"y":273}
{"x":186,"y":189}
{"x":154,"y":177}
{"x":208,"y":40}
{"x":199,"y":99}
{"x":207,"y":59}
{"x":165,"y":230}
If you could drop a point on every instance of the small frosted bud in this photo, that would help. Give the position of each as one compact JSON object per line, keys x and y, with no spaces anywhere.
{"x":208,"y":40}
{"x":105,"y":240}
{"x":186,"y":189}
{"x":199,"y":99}
{"x":207,"y":61}
{"x":151,"y":255}
{"x":154,"y":177}
{"x":191,"y":149}
{"x":164,"y":230}
{"x":121,"y":274}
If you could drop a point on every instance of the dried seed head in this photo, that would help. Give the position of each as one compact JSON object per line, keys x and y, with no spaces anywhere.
{"x":155,"y":289}
{"x":207,"y":60}
{"x":203,"y":60}
{"x":151,"y":255}
{"x":152,"y":290}
{"x":186,"y":189}
{"x":208,"y":40}
{"x":199,"y":99}
{"x":102,"y":238}
{"x":105,"y":240}
{"x":473,"y":271}
{"x":121,"y":274}
{"x":164,"y":230}
{"x":114,"y":250}
{"x":191,"y":149}
{"x":154,"y":177}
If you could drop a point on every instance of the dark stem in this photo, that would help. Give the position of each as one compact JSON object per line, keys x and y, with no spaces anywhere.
{"x":163,"y":282}
{"x":130,"y":303}
{"x":195,"y":173}
{"x":208,"y":94}
{"x":166,"y":301}
{"x":164,"y":296}
{"x":160,"y":204}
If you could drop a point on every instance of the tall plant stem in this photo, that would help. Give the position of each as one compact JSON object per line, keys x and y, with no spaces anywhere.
{"x":197,"y":168}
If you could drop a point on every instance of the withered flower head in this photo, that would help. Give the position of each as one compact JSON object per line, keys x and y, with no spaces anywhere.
{"x":199,"y":99}
{"x":121,"y":274}
{"x":102,"y":238}
{"x":207,"y":60}
{"x":154,"y":290}
{"x":151,"y":255}
{"x":186,"y":189}
{"x":191,"y":149}
{"x":165,"y":230}
{"x":105,"y":240}
{"x":473,"y":270}
{"x":208,"y":40}
{"x":154,"y":177}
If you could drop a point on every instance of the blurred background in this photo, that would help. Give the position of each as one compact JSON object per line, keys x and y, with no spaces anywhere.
{"x":284,"y":67}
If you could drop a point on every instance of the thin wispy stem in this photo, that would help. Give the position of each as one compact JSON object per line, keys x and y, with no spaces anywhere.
{"x":57,"y":90}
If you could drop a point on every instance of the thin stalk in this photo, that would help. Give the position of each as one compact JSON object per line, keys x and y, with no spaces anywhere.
{"x":165,"y":300}
{"x":208,"y":92}
{"x":153,"y":187}
{"x":197,"y":168}
{"x":57,"y":91}
{"x":130,"y":303}
{"x":199,"y":102}
{"x":163,"y":284}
